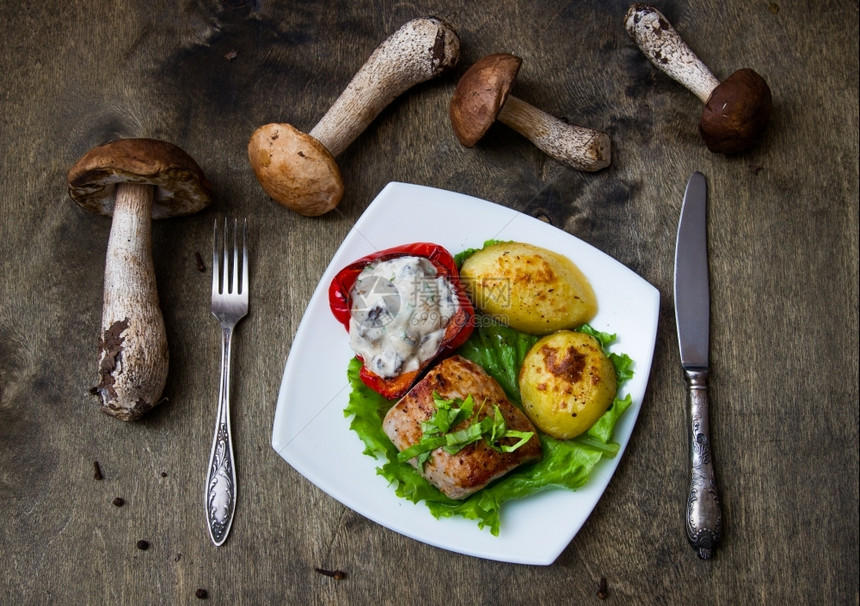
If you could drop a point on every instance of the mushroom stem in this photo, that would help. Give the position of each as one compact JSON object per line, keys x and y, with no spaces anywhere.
{"x":580,"y":147}
{"x":420,"y":50}
{"x":659,"y":41}
{"x":133,"y":355}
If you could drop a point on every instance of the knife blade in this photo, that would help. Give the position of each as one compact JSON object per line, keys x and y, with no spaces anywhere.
{"x":692,"y":320}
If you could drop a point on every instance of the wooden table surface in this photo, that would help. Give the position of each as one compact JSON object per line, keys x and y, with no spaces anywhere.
{"x":783,"y":231}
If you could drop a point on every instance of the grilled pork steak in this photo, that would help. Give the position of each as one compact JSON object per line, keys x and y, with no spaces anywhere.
{"x":476,"y":465}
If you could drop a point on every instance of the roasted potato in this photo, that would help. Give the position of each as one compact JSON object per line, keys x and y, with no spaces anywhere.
{"x":566,"y":383}
{"x":529,"y":288}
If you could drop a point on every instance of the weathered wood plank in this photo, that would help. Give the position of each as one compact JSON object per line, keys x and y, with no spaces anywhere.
{"x":784,"y":238}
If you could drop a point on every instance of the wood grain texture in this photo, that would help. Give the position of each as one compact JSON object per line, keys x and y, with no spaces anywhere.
{"x":783,"y":228}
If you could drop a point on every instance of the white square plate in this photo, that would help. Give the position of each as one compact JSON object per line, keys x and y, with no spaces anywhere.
{"x":311,"y":433}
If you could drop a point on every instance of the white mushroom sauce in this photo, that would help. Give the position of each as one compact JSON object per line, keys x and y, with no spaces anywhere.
{"x":400,"y":308}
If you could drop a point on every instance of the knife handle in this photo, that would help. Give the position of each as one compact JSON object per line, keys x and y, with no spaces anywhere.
{"x":704,"y":521}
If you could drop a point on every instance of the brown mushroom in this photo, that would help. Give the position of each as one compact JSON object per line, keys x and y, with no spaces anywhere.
{"x":483,"y":95}
{"x":736,"y":111}
{"x":298,"y":170}
{"x":135,"y":181}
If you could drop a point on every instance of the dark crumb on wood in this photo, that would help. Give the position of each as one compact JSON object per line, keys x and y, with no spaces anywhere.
{"x":119,"y":501}
{"x":199,"y":262}
{"x":163,"y":474}
{"x":97,"y":471}
{"x":143,"y":545}
{"x":337,"y":575}
{"x":602,"y":591}
{"x":201,"y":594}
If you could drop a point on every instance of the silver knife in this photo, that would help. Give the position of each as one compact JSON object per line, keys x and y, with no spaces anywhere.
{"x":692,"y":317}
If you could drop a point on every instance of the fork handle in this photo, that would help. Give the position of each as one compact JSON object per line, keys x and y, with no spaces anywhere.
{"x":221,"y":475}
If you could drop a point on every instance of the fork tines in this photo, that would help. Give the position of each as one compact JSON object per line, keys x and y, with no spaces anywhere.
{"x":232,"y":278}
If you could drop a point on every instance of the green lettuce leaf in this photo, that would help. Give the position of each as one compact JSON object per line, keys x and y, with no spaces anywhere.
{"x":500,"y":350}
{"x":462,"y":256}
{"x":566,"y":463}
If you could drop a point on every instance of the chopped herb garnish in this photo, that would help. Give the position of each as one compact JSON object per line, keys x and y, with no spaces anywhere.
{"x":439,"y":432}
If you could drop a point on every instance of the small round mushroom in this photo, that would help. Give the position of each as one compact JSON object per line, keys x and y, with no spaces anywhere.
{"x":135,"y":181}
{"x":736,"y":111}
{"x":483,"y":95}
{"x":298,"y":170}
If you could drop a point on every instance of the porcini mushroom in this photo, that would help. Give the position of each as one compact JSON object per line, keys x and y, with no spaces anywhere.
{"x":483,"y":95}
{"x":298,"y":170}
{"x":135,"y":181}
{"x":736,"y":111}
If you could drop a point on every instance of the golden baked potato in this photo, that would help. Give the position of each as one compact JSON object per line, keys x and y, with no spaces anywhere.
{"x":529,"y":288}
{"x":566,"y":383}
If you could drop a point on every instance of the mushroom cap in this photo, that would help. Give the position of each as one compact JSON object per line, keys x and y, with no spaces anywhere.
{"x":737,"y":112}
{"x":295,"y":169}
{"x":181,"y":188}
{"x":480,"y":95}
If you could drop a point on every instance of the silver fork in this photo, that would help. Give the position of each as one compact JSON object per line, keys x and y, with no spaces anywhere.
{"x":229,"y":305}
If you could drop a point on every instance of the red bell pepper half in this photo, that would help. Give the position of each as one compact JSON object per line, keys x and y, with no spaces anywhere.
{"x":459,"y":327}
